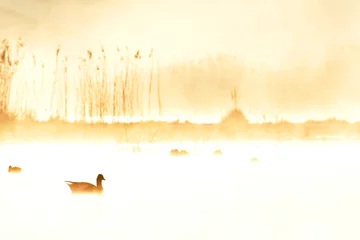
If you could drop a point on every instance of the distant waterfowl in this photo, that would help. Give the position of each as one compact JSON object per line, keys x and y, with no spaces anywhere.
{"x":176,"y":152}
{"x":14,"y":169}
{"x":217,"y":152}
{"x":86,"y":188}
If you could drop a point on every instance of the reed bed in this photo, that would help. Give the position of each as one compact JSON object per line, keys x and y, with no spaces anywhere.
{"x":103,"y":86}
{"x":9,"y":65}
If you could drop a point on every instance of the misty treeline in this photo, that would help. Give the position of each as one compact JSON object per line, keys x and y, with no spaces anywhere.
{"x":101,"y":88}
{"x":207,"y":83}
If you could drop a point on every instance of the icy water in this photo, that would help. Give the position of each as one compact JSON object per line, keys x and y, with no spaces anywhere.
{"x":295,"y":191}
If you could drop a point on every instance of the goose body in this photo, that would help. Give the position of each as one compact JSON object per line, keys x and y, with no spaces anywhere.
{"x":85,"y":187}
{"x":14,"y":169}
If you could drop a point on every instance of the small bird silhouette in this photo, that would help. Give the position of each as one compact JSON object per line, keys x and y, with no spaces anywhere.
{"x":176,"y":152}
{"x":14,"y":169}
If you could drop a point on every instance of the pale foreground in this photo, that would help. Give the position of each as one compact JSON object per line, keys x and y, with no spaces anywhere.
{"x":295,"y":192}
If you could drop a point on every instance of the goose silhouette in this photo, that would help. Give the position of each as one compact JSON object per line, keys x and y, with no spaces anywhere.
{"x":14,"y":169}
{"x":86,"y":188}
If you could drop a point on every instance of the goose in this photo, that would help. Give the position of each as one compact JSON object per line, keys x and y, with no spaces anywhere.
{"x":14,"y":169}
{"x":176,"y":152}
{"x":217,"y":152}
{"x":86,"y":188}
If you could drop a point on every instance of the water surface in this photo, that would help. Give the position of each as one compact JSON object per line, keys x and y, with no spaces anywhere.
{"x":295,"y":191}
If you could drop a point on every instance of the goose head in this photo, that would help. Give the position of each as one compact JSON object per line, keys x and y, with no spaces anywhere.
{"x":100,"y":177}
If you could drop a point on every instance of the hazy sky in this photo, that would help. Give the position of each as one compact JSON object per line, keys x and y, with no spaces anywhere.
{"x":272,"y":32}
{"x":266,"y":34}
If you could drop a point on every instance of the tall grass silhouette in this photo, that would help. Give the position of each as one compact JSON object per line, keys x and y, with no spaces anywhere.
{"x":101,"y":87}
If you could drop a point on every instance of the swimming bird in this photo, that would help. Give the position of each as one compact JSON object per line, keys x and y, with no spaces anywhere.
{"x":14,"y":169}
{"x":176,"y":152}
{"x":86,"y":188}
{"x":217,"y":152}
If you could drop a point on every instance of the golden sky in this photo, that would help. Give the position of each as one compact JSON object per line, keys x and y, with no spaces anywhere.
{"x":272,"y":32}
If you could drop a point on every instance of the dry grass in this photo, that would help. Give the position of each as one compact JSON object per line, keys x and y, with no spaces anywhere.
{"x":101,"y":88}
{"x":9,"y":64}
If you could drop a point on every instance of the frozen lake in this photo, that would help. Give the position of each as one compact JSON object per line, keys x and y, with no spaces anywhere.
{"x":295,"y":191}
